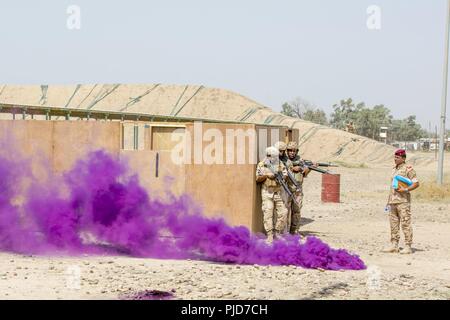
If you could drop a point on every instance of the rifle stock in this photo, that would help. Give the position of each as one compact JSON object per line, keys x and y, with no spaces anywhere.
{"x":318,"y":169}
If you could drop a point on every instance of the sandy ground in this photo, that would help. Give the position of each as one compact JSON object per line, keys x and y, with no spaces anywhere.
{"x":358,"y":224}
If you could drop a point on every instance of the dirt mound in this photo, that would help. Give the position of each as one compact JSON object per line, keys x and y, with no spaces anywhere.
{"x":316,"y":142}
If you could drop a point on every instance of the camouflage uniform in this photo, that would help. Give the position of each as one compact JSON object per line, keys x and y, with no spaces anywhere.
{"x":294,"y":209}
{"x":400,"y":206}
{"x":350,"y":128}
{"x":272,"y":198}
{"x":281,"y":146}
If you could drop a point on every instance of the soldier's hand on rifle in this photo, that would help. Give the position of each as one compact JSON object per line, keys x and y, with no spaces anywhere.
{"x":270,"y":175}
{"x":297,"y":169}
{"x":306,"y":171}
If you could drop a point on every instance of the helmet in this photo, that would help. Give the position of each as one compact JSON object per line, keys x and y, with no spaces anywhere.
{"x":292,"y":145}
{"x":280,"y":145}
{"x":273,"y":152}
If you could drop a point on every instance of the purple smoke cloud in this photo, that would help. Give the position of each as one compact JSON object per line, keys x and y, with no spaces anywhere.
{"x":98,"y":208}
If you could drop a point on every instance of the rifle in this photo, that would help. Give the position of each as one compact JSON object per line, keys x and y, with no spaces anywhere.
{"x":320,"y":164}
{"x":279,"y":178}
{"x":292,"y":178}
{"x":310,"y":165}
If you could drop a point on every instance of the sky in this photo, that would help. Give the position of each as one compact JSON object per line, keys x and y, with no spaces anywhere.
{"x":269,"y":51}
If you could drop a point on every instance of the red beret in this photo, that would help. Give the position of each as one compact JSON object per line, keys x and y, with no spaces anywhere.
{"x":400,"y":153}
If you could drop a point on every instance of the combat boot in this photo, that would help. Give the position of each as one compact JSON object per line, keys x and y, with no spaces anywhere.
{"x":393,"y":248}
{"x":269,"y":239}
{"x":278,"y":234}
{"x":406,"y":250}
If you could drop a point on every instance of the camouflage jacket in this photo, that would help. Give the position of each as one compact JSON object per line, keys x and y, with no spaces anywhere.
{"x":263,"y":169}
{"x":290,"y":164}
{"x":407,"y":171}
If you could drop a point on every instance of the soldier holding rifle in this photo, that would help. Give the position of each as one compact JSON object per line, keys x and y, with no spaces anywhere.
{"x":271,"y":173}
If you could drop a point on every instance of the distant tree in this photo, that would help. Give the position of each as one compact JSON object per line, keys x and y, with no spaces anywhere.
{"x":287,"y":110}
{"x":303,"y":109}
{"x":316,"y":116}
{"x":296,"y":108}
{"x":344,"y":112}
{"x":369,"y":121}
{"x":414,"y":129}
{"x":407,"y":130}
{"x":366,"y":120}
{"x":396,"y":131}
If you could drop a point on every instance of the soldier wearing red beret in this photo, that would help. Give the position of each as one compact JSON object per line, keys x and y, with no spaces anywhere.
{"x":399,"y":203}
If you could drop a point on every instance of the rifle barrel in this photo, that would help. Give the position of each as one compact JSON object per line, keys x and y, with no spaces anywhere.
{"x":321,"y":164}
{"x":326,"y":164}
{"x":280,"y":180}
{"x":317,"y":169}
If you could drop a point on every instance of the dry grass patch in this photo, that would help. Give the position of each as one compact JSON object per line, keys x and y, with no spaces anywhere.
{"x":430,"y":190}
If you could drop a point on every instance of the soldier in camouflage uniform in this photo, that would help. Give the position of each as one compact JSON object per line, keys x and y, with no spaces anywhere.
{"x":281,"y":146}
{"x":295,"y":166}
{"x":399,"y":203}
{"x":350,"y":127}
{"x":273,"y":206}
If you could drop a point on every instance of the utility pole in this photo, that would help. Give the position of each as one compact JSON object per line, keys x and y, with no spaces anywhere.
{"x":440,"y":175}
{"x":436,"y":144}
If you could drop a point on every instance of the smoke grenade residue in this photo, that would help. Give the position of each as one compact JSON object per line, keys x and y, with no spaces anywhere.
{"x":98,"y":208}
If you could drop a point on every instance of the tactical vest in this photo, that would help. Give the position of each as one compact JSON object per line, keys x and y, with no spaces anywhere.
{"x":297,"y":161}
{"x":272,"y":183}
{"x":406,"y":171}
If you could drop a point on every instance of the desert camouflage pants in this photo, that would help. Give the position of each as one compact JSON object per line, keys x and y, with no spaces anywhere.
{"x":274,"y":211}
{"x":294,"y":213}
{"x":401,"y":215}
